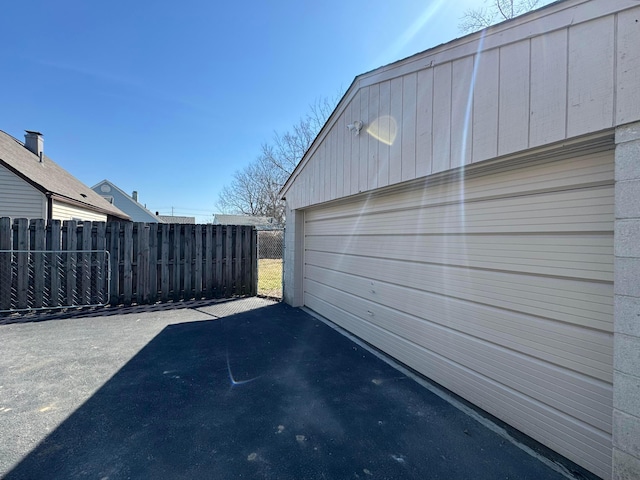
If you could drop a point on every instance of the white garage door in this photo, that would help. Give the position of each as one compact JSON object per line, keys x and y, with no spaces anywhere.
{"x":498,"y":286}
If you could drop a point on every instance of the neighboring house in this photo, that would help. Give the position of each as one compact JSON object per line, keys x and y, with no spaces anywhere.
{"x":126,"y":203}
{"x":177,"y":219}
{"x":34,"y":186}
{"x":458,"y":211}
{"x":261,"y":223}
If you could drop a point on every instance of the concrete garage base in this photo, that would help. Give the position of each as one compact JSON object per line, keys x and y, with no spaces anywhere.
{"x":205,"y":393}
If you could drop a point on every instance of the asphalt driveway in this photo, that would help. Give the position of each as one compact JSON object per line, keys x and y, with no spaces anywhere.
{"x":242,"y":389}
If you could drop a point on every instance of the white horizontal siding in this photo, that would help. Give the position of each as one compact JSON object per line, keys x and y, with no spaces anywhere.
{"x":498,"y":285}
{"x":64,"y":211}
{"x":18,"y":199}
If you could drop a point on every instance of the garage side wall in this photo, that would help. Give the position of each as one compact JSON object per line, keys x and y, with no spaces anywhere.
{"x":626,"y":400}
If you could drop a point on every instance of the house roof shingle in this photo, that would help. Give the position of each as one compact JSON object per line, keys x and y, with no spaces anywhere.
{"x":50,"y":178}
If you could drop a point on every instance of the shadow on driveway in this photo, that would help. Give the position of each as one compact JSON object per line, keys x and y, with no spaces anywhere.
{"x":272,"y":393}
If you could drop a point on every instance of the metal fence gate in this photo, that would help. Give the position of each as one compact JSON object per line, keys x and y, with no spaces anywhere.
{"x":270,"y":254}
{"x":44,"y":279}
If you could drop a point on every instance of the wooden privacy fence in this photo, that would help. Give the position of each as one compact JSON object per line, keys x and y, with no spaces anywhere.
{"x":147,"y":262}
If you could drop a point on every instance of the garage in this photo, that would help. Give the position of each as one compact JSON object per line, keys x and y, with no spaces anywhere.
{"x":497,"y":284}
{"x":473,"y":211}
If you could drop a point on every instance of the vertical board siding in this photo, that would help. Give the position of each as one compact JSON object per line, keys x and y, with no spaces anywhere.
{"x":485,"y":106}
{"x":333,"y":162}
{"x":442,"y":118}
{"x":461,"y":112}
{"x":548,"y":88}
{"x":628,"y":67}
{"x":513,"y":109}
{"x":395,"y":150}
{"x":408,"y":122}
{"x":591,"y":76}
{"x":363,"y":140}
{"x":472,"y":104}
{"x":383,"y":127}
{"x":346,"y":153}
{"x":355,"y":147}
{"x":424,"y":122}
{"x":372,"y":163}
{"x":340,"y":158}
{"x":148,"y":262}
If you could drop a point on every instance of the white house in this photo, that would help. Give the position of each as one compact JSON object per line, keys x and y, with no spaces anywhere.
{"x":474,"y":212}
{"x":34,"y":186}
{"x":128,"y":204}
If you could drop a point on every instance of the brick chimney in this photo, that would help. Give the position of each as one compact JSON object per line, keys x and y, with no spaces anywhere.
{"x":34,"y":142}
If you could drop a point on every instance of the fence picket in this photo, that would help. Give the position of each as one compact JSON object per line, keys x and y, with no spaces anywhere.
{"x":152,"y":284}
{"x":69,"y":242}
{"x":218,"y":287}
{"x":5,"y":263}
{"x":84,"y":263}
{"x":208,"y":262}
{"x":165,"y":275}
{"x":54,"y":235}
{"x":100,"y":245}
{"x":177,"y":240}
{"x":37,"y":230}
{"x":197,"y":266}
{"x":188,"y":257}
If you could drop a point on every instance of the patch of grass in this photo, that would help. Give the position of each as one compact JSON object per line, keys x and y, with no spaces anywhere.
{"x":270,"y":277}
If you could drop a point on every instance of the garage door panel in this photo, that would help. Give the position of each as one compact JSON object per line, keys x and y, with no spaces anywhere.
{"x":569,"y":301}
{"x":587,"y":352}
{"x":565,"y":175}
{"x":577,"y":209}
{"x":577,"y":440}
{"x":437,"y":250}
{"x":498,"y":285}
{"x":530,"y":376}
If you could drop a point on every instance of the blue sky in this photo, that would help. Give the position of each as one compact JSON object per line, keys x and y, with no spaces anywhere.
{"x":170,"y":98}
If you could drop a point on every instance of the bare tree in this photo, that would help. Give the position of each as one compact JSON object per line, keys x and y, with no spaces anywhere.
{"x":288,"y":148}
{"x":495,"y":11}
{"x":254,"y":189}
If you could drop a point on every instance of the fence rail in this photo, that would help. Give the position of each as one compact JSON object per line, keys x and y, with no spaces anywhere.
{"x":148,"y":262}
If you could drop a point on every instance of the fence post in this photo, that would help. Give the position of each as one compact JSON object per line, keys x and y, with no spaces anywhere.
{"x":54,"y":239}
{"x":5,"y":263}
{"x":209,"y":266}
{"x":114,"y":260}
{"x":254,"y":252}
{"x":127,"y":277}
{"x":165,"y":275}
{"x":178,"y":232}
{"x":188,"y":257}
{"x":21,"y":243}
{"x":142,"y":262}
{"x":69,"y":243}
{"x":219,"y":256}
{"x":84,"y":262}
{"x":100,"y":272}
{"x":153,"y":263}
{"x":228,"y":256}
{"x":40,"y":269}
